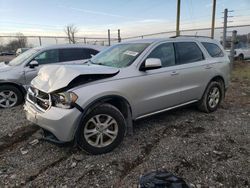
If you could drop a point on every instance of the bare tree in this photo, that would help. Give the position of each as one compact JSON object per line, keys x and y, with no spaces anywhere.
{"x":71,"y":31}
{"x":21,"y":40}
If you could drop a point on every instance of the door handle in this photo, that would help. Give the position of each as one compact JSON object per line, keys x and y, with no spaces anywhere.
{"x":174,"y":73}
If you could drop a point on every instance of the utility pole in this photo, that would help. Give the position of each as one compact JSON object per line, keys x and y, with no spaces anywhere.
{"x":224,"y":37}
{"x":119,"y":35}
{"x":225,"y":28}
{"x":178,"y":17}
{"x":109,"y":37}
{"x":40,"y":41}
{"x":213,"y":19}
{"x":233,"y":42}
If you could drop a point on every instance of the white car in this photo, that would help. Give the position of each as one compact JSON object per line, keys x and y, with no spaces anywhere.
{"x":242,"y":53}
{"x":21,"y":50}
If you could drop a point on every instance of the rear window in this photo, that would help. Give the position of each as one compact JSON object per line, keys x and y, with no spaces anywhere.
{"x":188,"y":52}
{"x":213,"y":49}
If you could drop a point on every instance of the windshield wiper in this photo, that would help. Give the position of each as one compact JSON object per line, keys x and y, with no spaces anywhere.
{"x":90,"y":61}
{"x":99,"y":63}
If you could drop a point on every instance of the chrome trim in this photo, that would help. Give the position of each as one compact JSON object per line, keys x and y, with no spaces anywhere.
{"x":166,"y":109}
{"x":30,"y":92}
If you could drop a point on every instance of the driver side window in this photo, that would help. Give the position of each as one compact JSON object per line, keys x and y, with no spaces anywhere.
{"x":165,"y":52}
{"x":47,"y":57}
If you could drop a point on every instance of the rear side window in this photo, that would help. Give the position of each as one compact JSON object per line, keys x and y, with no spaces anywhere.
{"x":188,"y":52}
{"x":71,"y":54}
{"x":213,"y":49}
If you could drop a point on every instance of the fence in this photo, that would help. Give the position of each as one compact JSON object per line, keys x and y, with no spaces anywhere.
{"x":198,"y":32}
{"x":49,"y":40}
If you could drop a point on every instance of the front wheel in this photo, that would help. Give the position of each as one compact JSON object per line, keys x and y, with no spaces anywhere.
{"x":101,"y":130}
{"x":10,"y":96}
{"x":212,"y":97}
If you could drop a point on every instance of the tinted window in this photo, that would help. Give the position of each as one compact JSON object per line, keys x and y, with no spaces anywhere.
{"x":213,"y":49}
{"x":71,"y":54}
{"x":49,"y":56}
{"x":89,"y":52}
{"x":188,"y":52}
{"x":165,"y":52}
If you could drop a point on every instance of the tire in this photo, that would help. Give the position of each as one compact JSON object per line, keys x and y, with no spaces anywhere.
{"x":114,"y":127}
{"x":205,"y":104}
{"x":10,"y":96}
{"x":241,"y":57}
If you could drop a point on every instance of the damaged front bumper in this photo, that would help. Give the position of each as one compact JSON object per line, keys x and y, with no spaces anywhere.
{"x":62,"y":123}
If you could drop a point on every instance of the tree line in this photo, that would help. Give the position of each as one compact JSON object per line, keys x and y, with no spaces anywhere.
{"x":20,"y":41}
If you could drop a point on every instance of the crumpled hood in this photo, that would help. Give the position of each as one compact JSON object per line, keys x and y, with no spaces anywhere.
{"x":54,"y":77}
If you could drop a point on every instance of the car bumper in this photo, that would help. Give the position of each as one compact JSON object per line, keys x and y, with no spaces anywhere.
{"x":62,"y":123}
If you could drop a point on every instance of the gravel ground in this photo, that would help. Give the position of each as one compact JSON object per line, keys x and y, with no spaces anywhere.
{"x":12,"y":120}
{"x":205,"y":149}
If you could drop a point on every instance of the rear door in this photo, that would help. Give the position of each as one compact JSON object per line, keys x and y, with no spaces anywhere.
{"x":193,"y":69}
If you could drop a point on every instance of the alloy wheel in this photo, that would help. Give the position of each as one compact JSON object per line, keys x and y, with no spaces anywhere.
{"x":214,"y":97}
{"x":8,"y":99}
{"x":101,"y":130}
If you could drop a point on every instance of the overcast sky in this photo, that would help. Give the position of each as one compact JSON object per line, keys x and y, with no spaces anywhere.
{"x":94,"y":17}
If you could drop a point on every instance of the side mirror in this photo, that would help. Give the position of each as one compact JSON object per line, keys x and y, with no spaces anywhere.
{"x":151,"y":63}
{"x":33,"y":64}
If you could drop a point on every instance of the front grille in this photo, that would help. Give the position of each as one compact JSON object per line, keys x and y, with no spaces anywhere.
{"x":38,"y":98}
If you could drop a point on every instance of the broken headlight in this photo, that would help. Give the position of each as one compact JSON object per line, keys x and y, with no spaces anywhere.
{"x":64,"y":99}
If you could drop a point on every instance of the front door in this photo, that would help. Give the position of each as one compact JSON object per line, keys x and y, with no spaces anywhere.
{"x":44,"y":58}
{"x":158,"y":89}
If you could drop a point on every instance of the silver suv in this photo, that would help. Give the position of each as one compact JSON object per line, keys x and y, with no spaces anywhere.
{"x":95,"y":104}
{"x":16,"y":75}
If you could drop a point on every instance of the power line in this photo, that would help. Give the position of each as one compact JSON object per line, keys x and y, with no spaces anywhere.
{"x":186,"y":30}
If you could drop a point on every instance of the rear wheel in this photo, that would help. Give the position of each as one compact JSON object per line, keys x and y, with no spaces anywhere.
{"x":101,"y":130}
{"x":241,"y":57}
{"x":212,"y":97}
{"x":10,"y":96}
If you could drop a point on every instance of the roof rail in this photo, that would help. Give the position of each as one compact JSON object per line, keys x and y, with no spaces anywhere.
{"x":198,"y":36}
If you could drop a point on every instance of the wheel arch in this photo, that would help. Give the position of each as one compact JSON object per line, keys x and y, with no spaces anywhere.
{"x":18,"y":86}
{"x":117,"y":101}
{"x":218,"y":78}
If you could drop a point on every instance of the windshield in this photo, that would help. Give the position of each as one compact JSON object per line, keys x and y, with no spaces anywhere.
{"x":121,"y":55}
{"x":22,"y":57}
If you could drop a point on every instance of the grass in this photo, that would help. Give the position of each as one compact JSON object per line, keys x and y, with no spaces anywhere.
{"x":241,"y":71}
